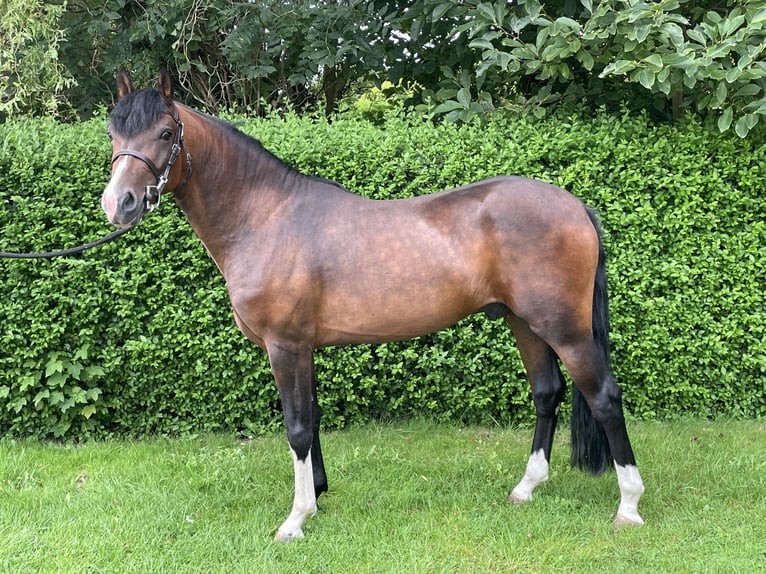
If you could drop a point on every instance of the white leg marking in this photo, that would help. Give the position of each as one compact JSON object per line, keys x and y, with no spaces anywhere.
{"x":304,"y":503}
{"x":631,"y":489}
{"x":536,"y":473}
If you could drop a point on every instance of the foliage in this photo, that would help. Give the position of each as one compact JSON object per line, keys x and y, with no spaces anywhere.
{"x":233,"y":55}
{"x":61,"y":389}
{"x":465,"y":58}
{"x":142,"y":327}
{"x":668,"y":55}
{"x":32,"y":79}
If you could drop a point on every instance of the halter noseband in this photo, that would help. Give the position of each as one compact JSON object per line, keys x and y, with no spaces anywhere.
{"x":154,"y":192}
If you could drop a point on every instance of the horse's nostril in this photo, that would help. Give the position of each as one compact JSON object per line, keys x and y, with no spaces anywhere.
{"x":129,"y":201}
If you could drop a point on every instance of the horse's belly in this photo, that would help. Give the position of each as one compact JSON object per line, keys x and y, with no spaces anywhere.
{"x":401,"y":313}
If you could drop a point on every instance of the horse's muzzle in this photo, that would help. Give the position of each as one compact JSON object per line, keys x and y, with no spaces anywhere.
{"x":124,"y":208}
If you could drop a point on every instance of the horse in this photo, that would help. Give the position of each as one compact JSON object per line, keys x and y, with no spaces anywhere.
{"x":309,"y":264}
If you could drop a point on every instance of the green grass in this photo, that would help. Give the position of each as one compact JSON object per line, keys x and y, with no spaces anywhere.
{"x":410,"y":497}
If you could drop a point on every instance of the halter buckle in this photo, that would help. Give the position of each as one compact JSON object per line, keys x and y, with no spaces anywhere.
{"x":153,"y":195}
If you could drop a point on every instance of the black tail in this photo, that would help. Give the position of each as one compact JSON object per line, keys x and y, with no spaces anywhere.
{"x":590,"y":448}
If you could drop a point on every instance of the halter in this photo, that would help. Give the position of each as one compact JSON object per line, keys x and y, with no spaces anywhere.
{"x":153,"y":193}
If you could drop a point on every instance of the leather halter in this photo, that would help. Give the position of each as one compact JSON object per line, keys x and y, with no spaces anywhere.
{"x":153,"y":193}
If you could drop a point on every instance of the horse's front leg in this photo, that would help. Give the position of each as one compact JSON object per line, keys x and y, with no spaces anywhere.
{"x":292,"y":365}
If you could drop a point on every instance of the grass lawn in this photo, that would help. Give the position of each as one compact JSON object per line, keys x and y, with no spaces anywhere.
{"x":404,"y":498}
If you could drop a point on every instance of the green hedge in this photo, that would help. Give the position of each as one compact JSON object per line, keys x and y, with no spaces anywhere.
{"x":137,"y":336}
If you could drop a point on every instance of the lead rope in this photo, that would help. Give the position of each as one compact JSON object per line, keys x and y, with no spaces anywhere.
{"x":66,"y":252}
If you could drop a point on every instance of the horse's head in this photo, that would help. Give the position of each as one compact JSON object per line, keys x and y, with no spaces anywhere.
{"x":147,"y":137}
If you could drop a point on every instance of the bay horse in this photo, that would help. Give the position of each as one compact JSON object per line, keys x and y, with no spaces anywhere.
{"x":309,"y":264}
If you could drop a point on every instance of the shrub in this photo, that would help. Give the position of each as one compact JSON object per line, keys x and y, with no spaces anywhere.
{"x":137,"y":336}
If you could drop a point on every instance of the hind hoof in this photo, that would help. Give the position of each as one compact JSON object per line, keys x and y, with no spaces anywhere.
{"x":518,"y":498}
{"x":621,"y":521}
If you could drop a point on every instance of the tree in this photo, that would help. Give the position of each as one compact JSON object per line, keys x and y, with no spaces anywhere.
{"x":32,"y":79}
{"x":667,"y":55}
{"x":233,"y":55}
{"x":458,"y":57}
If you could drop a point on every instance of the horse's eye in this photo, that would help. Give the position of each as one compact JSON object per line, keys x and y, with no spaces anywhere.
{"x":166,"y":135}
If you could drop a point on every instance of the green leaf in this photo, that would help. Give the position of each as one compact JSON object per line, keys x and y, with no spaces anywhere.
{"x":57,"y":398}
{"x":54,"y":366}
{"x":675,"y":33}
{"x":74,"y":369}
{"x":564,"y":23}
{"x":464,"y":97}
{"x":733,"y":74}
{"x":27,"y":382}
{"x":44,"y":394}
{"x":720,"y":93}
{"x":696,"y":35}
{"x":57,"y":380}
{"x":748,"y":90}
{"x":447,"y":106}
{"x":501,"y":11}
{"x":17,"y":404}
{"x":82,"y":353}
{"x":487,"y":11}
{"x":646,"y":78}
{"x":618,"y":67}
{"x":655,"y":61}
{"x":88,"y":411}
{"x":725,"y":120}
{"x":586,"y":59}
{"x":60,"y":428}
{"x":481,"y":43}
{"x":741,"y":128}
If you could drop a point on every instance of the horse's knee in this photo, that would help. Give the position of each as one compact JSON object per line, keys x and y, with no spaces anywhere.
{"x":548,"y":396}
{"x":300,"y":437}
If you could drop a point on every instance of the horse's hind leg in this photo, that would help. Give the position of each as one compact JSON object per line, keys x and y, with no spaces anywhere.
{"x":592,"y":376}
{"x":317,"y":461}
{"x":541,"y":364}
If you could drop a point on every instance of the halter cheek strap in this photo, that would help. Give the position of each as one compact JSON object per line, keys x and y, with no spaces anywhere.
{"x":153,"y":193}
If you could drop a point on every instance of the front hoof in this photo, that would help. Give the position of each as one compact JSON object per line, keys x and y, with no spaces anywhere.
{"x":621,"y":520}
{"x":283,"y":536}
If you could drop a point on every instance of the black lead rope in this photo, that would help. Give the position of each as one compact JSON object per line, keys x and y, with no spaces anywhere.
{"x":64,"y":252}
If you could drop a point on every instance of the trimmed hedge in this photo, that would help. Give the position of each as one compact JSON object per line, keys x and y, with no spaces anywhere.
{"x":137,"y":336}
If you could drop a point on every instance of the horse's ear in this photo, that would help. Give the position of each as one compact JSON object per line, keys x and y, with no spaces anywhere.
{"x":165,"y":85}
{"x":124,"y":85}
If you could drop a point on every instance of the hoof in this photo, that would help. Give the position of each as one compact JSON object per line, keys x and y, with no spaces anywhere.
{"x":621,"y":521}
{"x":285,"y":537}
{"x":517,"y":498}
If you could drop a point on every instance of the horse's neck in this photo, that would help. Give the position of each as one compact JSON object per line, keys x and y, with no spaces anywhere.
{"x":234,"y":188}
